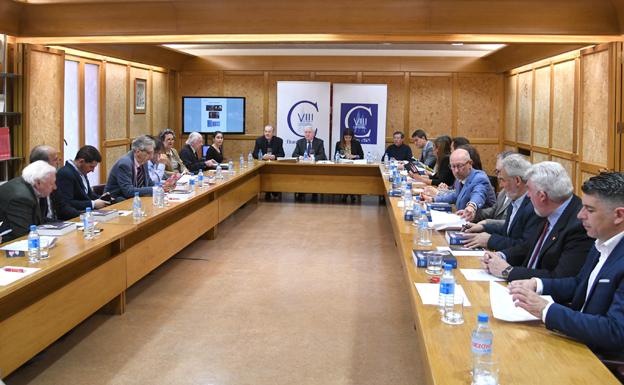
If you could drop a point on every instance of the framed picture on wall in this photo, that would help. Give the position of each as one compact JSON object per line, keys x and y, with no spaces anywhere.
{"x":140,"y":96}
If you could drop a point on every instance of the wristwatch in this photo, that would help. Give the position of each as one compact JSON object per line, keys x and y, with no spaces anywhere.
{"x":505,"y":273}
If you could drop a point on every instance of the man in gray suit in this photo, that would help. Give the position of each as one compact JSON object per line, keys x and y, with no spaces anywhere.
{"x":496,"y":214}
{"x":130,"y":173}
{"x":419,"y":138}
{"x":19,"y":206}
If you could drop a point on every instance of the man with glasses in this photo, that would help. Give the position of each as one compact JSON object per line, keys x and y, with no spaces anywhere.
{"x":472,"y":187}
{"x":497,"y":213}
{"x":130,"y":173}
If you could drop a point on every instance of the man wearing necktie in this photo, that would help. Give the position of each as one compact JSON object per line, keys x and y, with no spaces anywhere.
{"x":48,"y":204}
{"x":129,"y":174}
{"x":311,"y":145}
{"x":588,"y":307}
{"x":558,"y":244}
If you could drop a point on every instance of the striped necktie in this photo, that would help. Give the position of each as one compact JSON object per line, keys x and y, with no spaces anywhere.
{"x":140,"y":179}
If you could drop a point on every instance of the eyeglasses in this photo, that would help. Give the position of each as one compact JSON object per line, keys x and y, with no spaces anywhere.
{"x":458,"y":165}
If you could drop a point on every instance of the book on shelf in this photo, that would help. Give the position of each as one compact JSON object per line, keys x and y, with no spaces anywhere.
{"x":5,"y":143}
{"x":56,"y":229}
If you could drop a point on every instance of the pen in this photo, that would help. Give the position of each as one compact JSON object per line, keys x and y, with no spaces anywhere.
{"x":13,"y":270}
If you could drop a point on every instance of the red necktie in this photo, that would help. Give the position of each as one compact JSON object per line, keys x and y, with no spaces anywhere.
{"x":538,"y":247}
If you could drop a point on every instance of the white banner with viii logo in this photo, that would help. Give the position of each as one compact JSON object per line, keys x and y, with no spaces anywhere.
{"x":362,"y":108}
{"x":299,"y":105}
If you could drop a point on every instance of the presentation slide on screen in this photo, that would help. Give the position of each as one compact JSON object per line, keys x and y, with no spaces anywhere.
{"x":214,"y":114}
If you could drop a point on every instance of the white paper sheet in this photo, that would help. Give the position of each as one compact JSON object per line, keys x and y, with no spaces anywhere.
{"x":23,"y":244}
{"x":124,"y":213}
{"x":442,"y":220}
{"x":463,"y":253}
{"x":184,"y":179}
{"x":429,"y":293}
{"x":359,"y":161}
{"x":479,"y":275}
{"x":8,"y":277}
{"x":503,"y":307}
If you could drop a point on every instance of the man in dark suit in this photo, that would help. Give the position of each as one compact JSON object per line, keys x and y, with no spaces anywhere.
{"x":311,"y":145}
{"x":559,"y":245}
{"x":588,"y":306}
{"x":73,"y":192}
{"x":266,"y":141}
{"x":19,"y":205}
{"x":192,"y":156}
{"x":496,"y":213}
{"x":520,"y":222}
{"x":49,"y":155}
{"x":130,"y":173}
{"x":398,"y":150}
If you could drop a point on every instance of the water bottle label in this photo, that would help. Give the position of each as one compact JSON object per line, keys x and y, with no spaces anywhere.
{"x":481,"y":346}
{"x":33,"y":243}
{"x":447,"y":288}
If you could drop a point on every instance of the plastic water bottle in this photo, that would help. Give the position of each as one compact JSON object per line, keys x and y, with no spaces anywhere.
{"x":192,"y":183}
{"x":305,"y":156}
{"x":407,"y":199}
{"x":250,"y":160}
{"x":34,"y":245}
{"x":161,"y":196}
{"x":241,"y":160}
{"x":260,"y":155}
{"x":337,"y":157}
{"x":219,"y":173}
{"x":482,"y":338}
{"x":369,"y":157}
{"x":231,"y":167}
{"x":88,"y":224}
{"x":155,"y":194}
{"x":200,"y":179}
{"x":137,"y":209}
{"x":423,"y":229}
{"x":386,"y":161}
{"x":447,"y":289}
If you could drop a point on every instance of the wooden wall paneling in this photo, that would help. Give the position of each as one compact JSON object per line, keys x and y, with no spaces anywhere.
{"x":488,"y":152}
{"x":112,"y":154}
{"x":395,"y":117}
{"x":525,"y":107}
{"x":160,"y":101}
{"x":251,"y":86}
{"x":569,"y":165}
{"x":596,"y":129}
{"x":139,"y":123}
{"x":537,"y":157}
{"x":564,"y":106}
{"x":275,"y":77}
{"x":430,"y":104}
{"x":511,"y":86}
{"x":115,"y":101}
{"x":541,"y":114}
{"x":478,"y":105}
{"x":44,"y":80}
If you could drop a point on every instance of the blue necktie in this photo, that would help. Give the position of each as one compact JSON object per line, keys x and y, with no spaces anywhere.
{"x":309,"y":148}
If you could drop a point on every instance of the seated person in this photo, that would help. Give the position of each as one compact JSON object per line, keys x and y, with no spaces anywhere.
{"x":174,"y":164}
{"x":496,"y":214}
{"x":588,"y":306}
{"x":472,"y":187}
{"x":559,"y":244}
{"x":520,"y":222}
{"x":398,"y":150}
{"x":441,"y":171}
{"x":191,"y":154}
{"x":272,"y":146}
{"x":427,"y":156}
{"x":460,"y":142}
{"x":349,"y":147}
{"x":215,"y":151}
{"x":130,"y":174}
{"x":156,"y":164}
{"x":73,"y":190}
{"x":311,"y":145}
{"x":19,"y":205}
{"x":49,"y":155}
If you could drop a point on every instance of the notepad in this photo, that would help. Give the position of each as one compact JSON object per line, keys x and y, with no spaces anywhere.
{"x":503,"y":307}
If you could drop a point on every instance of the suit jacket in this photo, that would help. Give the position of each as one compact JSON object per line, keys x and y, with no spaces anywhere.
{"x":427,"y":156}
{"x":443,"y":174}
{"x":356,"y":148}
{"x":600,"y":324}
{"x":523,"y":226}
{"x":121,"y":179}
{"x":317,"y":146}
{"x":173,"y":156}
{"x":563,"y":252}
{"x":70,"y":196}
{"x":19,"y":207}
{"x":477,"y":189}
{"x":496,"y":213}
{"x":276,"y":144}
{"x":193,"y":162}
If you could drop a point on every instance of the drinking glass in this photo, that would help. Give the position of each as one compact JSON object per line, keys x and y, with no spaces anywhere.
{"x":434,"y":263}
{"x":454,"y":315}
{"x":269,"y":152}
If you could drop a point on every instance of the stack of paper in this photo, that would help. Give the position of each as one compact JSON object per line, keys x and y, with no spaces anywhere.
{"x":479,"y":275}
{"x":459,"y":251}
{"x":429,"y":293}
{"x":503,"y":307}
{"x":446,"y":221}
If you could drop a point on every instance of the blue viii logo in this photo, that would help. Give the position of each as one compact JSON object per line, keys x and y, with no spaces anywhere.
{"x":362,"y":119}
{"x":301,"y":115}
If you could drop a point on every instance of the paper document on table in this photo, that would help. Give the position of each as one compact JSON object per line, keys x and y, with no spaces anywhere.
{"x":429,"y":293}
{"x":503,"y":307}
{"x":23,"y":244}
{"x":124,"y":213}
{"x":10,"y":274}
{"x":184,"y":179}
{"x":446,"y":221}
{"x":324,"y":162}
{"x":479,"y":275}
{"x":463,"y":251}
{"x":359,"y":161}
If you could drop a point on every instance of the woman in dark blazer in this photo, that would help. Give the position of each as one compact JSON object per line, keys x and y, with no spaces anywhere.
{"x":442,"y":172}
{"x":349,"y":147}
{"x":215,"y":151}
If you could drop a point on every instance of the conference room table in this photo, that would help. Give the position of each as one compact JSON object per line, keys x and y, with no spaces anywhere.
{"x":82,"y":277}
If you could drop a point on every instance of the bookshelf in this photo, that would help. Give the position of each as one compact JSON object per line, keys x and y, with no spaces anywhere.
{"x":10,"y":120}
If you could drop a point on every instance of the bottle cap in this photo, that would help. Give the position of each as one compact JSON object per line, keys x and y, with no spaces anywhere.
{"x":448,"y":266}
{"x":33,"y":227}
{"x":136,"y":194}
{"x":88,"y":209}
{"x":482,"y":317}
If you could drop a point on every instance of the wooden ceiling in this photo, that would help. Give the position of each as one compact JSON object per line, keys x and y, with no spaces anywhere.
{"x":532,"y":28}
